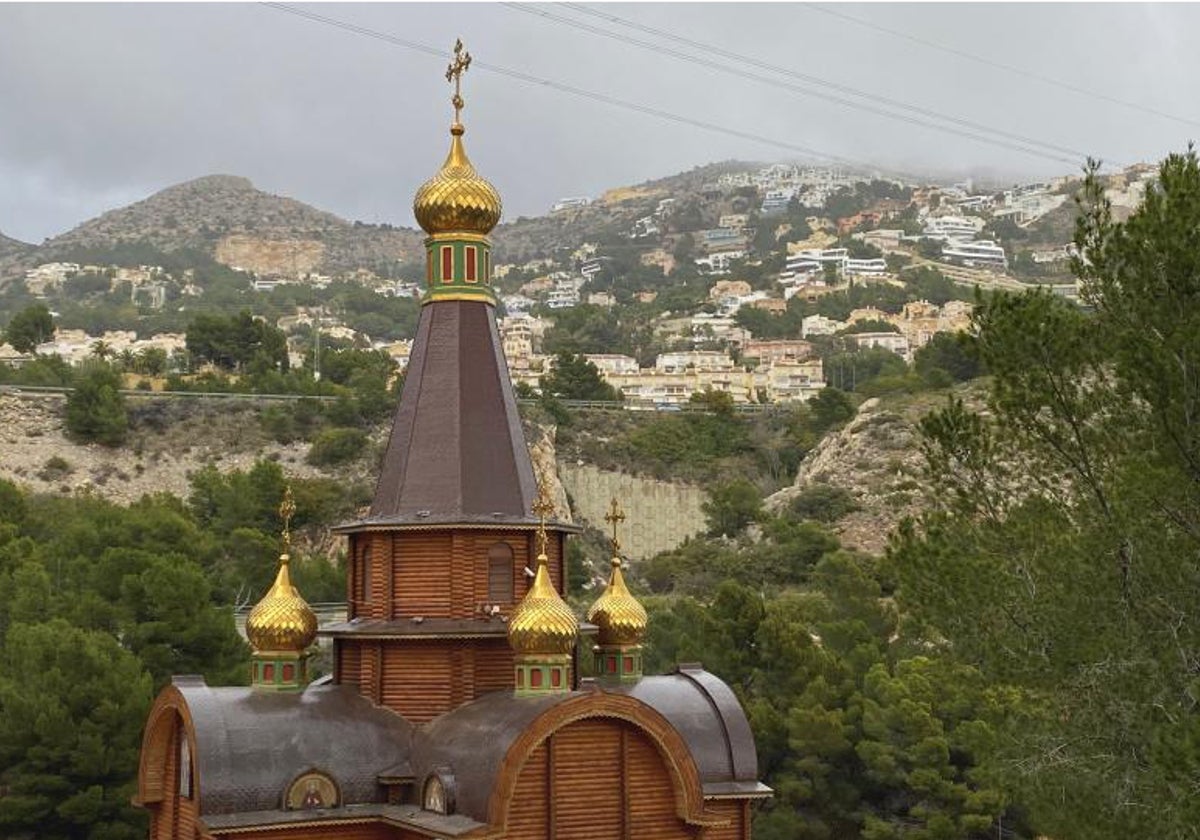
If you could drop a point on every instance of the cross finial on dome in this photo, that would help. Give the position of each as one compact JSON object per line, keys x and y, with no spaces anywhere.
{"x":543,"y":507}
{"x":462,"y":60}
{"x":615,"y":517}
{"x":287,"y":509}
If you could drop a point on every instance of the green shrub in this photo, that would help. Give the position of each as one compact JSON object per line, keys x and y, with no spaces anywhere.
{"x":337,"y":446}
{"x":95,"y":409}
{"x":823,"y":502}
{"x":55,"y":469}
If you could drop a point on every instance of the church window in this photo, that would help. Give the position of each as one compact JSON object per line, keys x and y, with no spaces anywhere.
{"x":438,"y":792}
{"x":500,"y":573}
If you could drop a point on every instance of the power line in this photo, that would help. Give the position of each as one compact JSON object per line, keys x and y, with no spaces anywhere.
{"x":1001,"y":66}
{"x":813,"y":80}
{"x":564,"y":88}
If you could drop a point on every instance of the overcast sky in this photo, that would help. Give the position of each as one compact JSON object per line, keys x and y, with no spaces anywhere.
{"x":101,"y":105}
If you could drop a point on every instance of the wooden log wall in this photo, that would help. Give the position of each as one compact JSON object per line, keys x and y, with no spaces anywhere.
{"x":438,"y":574}
{"x":174,"y":818}
{"x":738,"y":812}
{"x":596,"y":779}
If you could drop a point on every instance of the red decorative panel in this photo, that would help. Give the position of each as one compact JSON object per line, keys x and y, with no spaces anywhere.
{"x":470,"y":253}
{"x":447,"y":264}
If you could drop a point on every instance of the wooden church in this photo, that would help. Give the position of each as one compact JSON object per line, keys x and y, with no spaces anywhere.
{"x":455,"y":708}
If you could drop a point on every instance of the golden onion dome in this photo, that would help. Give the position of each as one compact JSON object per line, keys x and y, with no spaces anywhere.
{"x":542,"y":624}
{"x":457,"y":199}
{"x":282,"y":620}
{"x":621,"y":618}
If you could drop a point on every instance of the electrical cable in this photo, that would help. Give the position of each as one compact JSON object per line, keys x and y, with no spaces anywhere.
{"x":1001,"y":66}
{"x":564,"y":88}
{"x":707,"y":48}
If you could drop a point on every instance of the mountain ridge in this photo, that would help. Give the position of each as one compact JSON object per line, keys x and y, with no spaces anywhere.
{"x":229,"y":219}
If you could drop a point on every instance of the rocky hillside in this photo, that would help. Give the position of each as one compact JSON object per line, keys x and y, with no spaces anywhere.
{"x":10,"y":246}
{"x":875,"y":458}
{"x":168,"y":442}
{"x":12,"y":252}
{"x":228,"y":218}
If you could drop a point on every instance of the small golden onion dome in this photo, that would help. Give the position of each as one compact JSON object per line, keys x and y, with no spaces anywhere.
{"x":457,"y":199}
{"x":621,"y":618}
{"x":282,"y":620}
{"x":542,"y":624}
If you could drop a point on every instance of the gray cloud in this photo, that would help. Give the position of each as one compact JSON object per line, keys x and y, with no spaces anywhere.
{"x":103,"y":104}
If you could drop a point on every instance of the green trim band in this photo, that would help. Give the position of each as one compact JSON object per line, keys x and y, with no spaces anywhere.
{"x":458,"y":268}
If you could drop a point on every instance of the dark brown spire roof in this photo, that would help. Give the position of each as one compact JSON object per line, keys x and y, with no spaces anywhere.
{"x":456,"y":454}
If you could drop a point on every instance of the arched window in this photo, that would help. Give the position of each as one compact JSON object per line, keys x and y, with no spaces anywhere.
{"x":500,"y":573}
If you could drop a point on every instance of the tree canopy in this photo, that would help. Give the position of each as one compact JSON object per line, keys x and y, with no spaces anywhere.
{"x":30,"y":327}
{"x":1060,"y":561}
{"x":574,"y":377}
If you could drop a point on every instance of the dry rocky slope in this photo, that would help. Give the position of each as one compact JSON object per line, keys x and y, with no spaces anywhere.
{"x":877,"y":459}
{"x":172,"y":439}
{"x":168,"y":443}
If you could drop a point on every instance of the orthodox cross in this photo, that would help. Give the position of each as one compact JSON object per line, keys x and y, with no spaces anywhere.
{"x":462,"y":60}
{"x":287,"y":509}
{"x":542,"y":508}
{"x":615,"y":517}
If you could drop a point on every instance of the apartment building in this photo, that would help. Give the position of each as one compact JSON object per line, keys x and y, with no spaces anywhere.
{"x":613,"y":363}
{"x":573,"y":203}
{"x":944,"y":228}
{"x":895,"y":342}
{"x":775,"y":351}
{"x":820,"y":325}
{"x":979,"y":253}
{"x":683,"y":360}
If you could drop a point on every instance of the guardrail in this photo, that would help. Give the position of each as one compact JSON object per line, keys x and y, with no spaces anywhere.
{"x":134,"y":392}
{"x":577,"y":405}
{"x":690,"y":408}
